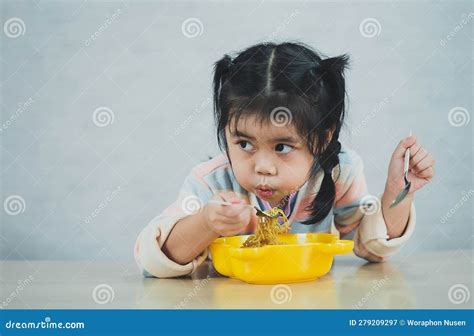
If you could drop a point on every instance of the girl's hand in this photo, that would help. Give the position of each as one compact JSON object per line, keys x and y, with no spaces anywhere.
{"x":228,"y":220}
{"x":420,"y":170}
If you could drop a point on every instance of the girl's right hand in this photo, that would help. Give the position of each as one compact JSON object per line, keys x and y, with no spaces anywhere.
{"x":228,"y":220}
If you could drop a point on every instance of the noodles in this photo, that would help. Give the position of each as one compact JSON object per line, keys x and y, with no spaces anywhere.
{"x":268,"y":229}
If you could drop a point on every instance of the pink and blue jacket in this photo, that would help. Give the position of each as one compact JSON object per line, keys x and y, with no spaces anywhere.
{"x":348,"y":217}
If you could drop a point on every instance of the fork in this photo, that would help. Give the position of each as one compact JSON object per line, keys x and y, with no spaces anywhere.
{"x":259,"y":212}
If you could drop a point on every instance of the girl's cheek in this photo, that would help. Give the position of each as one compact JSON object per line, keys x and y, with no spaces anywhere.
{"x":242,"y":169}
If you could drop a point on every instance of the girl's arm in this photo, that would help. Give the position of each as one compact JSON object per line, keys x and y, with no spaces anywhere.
{"x":366,"y":226}
{"x":396,"y":218}
{"x":193,"y":234}
{"x":420,"y":173}
{"x":189,"y":237}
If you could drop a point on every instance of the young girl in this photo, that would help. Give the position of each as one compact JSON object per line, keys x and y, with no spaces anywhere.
{"x":279,"y":110}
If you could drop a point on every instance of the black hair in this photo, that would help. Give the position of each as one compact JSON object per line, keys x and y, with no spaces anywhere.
{"x":292,"y":77}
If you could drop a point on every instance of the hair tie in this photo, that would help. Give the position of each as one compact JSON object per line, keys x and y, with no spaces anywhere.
{"x":229,"y":61}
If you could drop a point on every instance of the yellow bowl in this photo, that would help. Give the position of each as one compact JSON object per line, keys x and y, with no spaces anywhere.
{"x":302,"y":257}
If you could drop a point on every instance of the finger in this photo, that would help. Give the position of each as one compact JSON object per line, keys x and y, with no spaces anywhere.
{"x":426,"y":173}
{"x":253,"y":218}
{"x":234,"y":210}
{"x":403,"y":145}
{"x":414,"y":149}
{"x":231,"y":229}
{"x":218,"y":208}
{"x":226,"y":222}
{"x":238,"y":216}
{"x":231,"y":197}
{"x":424,"y":163}
{"x":420,"y":155}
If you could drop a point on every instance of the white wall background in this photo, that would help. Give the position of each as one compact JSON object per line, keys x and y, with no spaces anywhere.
{"x":156,"y":80}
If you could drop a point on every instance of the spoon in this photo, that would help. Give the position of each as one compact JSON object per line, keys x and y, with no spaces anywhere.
{"x":405,"y":190}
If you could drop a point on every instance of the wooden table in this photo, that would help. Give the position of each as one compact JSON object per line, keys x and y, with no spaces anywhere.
{"x":421,"y":281}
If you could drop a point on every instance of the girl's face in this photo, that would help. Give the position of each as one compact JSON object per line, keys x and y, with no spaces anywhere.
{"x":268,"y":160}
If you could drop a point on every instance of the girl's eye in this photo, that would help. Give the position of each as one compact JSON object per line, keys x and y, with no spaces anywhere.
{"x":245,"y":145}
{"x":284,"y":149}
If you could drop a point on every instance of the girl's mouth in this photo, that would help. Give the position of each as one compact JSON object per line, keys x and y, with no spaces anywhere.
{"x":264,"y":192}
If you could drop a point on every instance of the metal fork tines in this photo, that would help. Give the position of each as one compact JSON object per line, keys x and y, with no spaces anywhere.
{"x":261,"y":213}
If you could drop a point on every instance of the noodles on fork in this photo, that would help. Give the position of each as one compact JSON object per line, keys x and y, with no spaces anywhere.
{"x":268,"y":229}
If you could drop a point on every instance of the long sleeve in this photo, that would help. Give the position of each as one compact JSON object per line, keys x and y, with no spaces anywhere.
{"x":148,"y":247}
{"x":364,"y":224}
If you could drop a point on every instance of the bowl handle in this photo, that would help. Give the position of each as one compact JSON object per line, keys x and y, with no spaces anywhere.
{"x":339,"y":247}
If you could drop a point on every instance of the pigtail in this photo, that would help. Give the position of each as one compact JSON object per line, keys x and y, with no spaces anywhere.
{"x":331,"y":73}
{"x":324,"y":200}
{"x":222,"y":69}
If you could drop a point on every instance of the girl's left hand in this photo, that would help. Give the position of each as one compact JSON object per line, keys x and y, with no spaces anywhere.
{"x":420,"y":171}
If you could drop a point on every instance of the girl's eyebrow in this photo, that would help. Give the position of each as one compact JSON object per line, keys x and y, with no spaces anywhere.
{"x":238,"y":133}
{"x":288,"y":139}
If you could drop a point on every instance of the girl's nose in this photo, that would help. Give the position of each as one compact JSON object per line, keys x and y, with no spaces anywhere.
{"x":264,"y":166}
